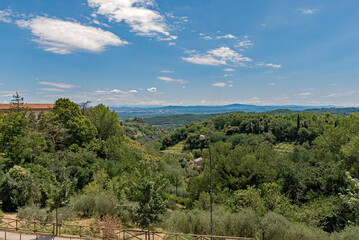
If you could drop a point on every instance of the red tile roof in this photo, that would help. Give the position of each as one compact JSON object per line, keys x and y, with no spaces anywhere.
{"x":33,"y":106}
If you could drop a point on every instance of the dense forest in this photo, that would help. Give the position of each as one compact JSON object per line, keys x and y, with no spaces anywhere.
{"x":275,"y":176}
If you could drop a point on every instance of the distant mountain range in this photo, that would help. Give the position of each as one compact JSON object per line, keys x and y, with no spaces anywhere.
{"x":142,"y":112}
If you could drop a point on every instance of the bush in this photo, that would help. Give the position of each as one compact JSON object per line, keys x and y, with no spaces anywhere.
{"x":350,"y":233}
{"x":64,"y":214}
{"x":84,"y":205}
{"x":105,"y":205}
{"x":35,"y":213}
{"x":125,"y":212}
{"x":277,"y":227}
{"x":243,"y":224}
{"x":99,"y":205}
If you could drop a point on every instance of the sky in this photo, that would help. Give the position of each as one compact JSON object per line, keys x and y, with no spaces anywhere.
{"x":181,"y":52}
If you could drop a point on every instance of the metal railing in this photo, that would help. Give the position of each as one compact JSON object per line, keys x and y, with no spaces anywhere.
{"x":94,"y":232}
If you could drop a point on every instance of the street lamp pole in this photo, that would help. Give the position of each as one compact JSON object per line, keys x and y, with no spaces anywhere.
{"x":202,"y":138}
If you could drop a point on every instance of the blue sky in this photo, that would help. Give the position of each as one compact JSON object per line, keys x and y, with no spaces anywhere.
{"x":181,"y":52}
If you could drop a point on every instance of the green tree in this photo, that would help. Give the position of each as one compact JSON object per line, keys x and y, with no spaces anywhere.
{"x":105,"y":120}
{"x":17,"y":102}
{"x":148,"y":192}
{"x":58,"y":193}
{"x":18,"y":188}
{"x":79,"y":127}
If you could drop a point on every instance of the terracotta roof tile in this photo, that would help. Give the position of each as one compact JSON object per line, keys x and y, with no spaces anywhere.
{"x":34,"y":106}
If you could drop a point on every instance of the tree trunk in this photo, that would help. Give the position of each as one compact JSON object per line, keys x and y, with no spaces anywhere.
{"x":57,"y":221}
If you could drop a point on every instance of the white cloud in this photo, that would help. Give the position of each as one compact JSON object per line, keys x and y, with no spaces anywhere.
{"x":135,"y":13}
{"x":64,"y":37}
{"x":171,"y":44}
{"x":58,"y":85}
{"x":52,"y":89}
{"x":333,"y":95}
{"x":244,"y":43}
{"x":229,"y":70}
{"x":5,"y":15}
{"x":273,"y":65}
{"x":152,"y":89}
{"x":229,"y":36}
{"x":304,"y":94}
{"x":204,"y":60}
{"x":223,"y":84}
{"x":118,"y":91}
{"x":272,"y":84}
{"x":205,"y":36}
{"x":166,"y":71}
{"x":219,"y":84}
{"x":168,"y":80}
{"x":218,"y":56}
{"x":255,"y":100}
{"x":308,"y":11}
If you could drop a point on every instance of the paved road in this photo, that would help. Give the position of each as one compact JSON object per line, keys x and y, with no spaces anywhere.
{"x":16,"y":236}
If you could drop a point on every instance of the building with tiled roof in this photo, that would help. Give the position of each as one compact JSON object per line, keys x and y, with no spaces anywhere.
{"x":35,"y":108}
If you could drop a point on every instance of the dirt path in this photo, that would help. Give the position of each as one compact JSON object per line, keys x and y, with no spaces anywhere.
{"x":16,"y":236}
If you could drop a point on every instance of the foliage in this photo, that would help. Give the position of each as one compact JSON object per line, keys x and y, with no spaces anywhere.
{"x":99,"y":205}
{"x":18,"y":188}
{"x":288,"y":176}
{"x":80,"y":128}
{"x":105,"y":121}
{"x":148,"y":192}
{"x":35,"y":213}
{"x":196,"y":221}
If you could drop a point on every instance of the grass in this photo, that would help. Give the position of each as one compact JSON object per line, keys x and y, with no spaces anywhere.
{"x":284,"y":147}
{"x":176,"y":149}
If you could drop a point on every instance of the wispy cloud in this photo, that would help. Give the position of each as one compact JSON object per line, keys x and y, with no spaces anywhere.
{"x":5,"y":15}
{"x":246,"y":43}
{"x":136,"y":14}
{"x":228,"y":36}
{"x":272,"y":65}
{"x":58,"y":85}
{"x":166,"y":71}
{"x":52,"y":89}
{"x":308,"y":11}
{"x":219,"y":84}
{"x":272,"y":84}
{"x":304,"y":94}
{"x":223,"y":84}
{"x":152,"y":89}
{"x":218,"y":56}
{"x":64,"y":37}
{"x":205,"y":36}
{"x":229,"y":70}
{"x":168,"y":80}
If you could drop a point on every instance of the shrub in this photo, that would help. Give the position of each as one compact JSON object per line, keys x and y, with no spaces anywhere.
{"x":277,"y":227}
{"x":35,"y":213}
{"x":105,"y":205}
{"x":197,"y":221}
{"x":99,"y":205}
{"x":350,"y":233}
